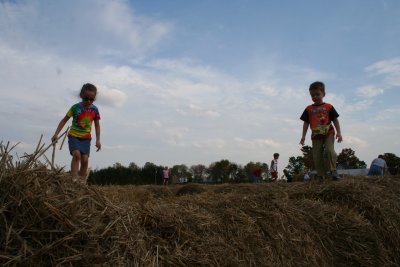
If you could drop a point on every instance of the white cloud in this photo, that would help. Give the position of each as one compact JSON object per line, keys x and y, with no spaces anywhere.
{"x":309,"y":74}
{"x":390,"y":68}
{"x":338,"y":101}
{"x":184,"y":66}
{"x":92,"y":28}
{"x":268,"y":90}
{"x":385,"y":66}
{"x":209,"y":144}
{"x":111,"y":97}
{"x":157,"y":124}
{"x":369,"y":91}
{"x":120,"y":20}
{"x":256,"y":143}
{"x":351,"y":140}
{"x":18,"y":145}
{"x":389,"y":116}
{"x":358,"y":106}
{"x":196,"y":110}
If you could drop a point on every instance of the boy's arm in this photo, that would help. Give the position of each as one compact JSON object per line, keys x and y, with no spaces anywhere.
{"x":338,"y":131}
{"x":303,"y":135}
{"x":59,"y":128}
{"x":97,"y":129}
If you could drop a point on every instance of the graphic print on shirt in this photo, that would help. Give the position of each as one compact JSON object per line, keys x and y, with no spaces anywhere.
{"x":82,"y":118}
{"x":320,"y":121}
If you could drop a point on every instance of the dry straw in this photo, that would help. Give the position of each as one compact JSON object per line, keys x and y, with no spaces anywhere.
{"x":48,"y":220}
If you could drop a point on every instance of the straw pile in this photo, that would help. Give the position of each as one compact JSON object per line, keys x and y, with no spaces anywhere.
{"x":47,"y":219}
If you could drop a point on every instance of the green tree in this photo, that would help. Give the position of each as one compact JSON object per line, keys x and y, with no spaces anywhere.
{"x":393,"y":163}
{"x":152,"y":173}
{"x":219,"y":171}
{"x":307,"y":157}
{"x":181,"y":171}
{"x":348,"y":160}
{"x":199,"y":173}
{"x":236,"y":173}
{"x":248,"y":170}
{"x":117,"y":165}
{"x":117,"y":174}
{"x":296,"y":165}
{"x":133,"y":166}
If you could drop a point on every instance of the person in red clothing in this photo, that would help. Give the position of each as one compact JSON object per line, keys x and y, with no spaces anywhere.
{"x":319,"y":117}
{"x":257,"y":175}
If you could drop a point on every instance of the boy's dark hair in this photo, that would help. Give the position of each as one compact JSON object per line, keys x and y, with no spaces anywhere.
{"x":87,"y":87}
{"x":317,"y":86}
{"x":276,"y":155}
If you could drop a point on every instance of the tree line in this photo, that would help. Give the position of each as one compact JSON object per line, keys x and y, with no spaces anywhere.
{"x":224,"y":171}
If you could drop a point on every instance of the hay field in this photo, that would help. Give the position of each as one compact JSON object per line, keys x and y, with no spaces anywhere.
{"x":353,"y":222}
{"x":47,"y":219}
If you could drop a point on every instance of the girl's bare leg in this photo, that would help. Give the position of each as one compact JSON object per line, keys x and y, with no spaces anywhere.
{"x":76,"y":158}
{"x":84,"y":166}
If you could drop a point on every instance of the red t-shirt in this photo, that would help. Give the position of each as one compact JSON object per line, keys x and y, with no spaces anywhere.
{"x":320,"y":117}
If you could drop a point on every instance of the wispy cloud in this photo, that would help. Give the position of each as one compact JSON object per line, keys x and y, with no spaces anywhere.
{"x":390,"y":68}
{"x":369,"y":91}
{"x":257,"y":143}
{"x":92,"y":29}
{"x":358,"y":106}
{"x":388,"y":115}
{"x":307,"y":73}
{"x":352,"y":140}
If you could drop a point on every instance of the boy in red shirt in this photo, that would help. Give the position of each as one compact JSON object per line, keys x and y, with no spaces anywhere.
{"x":319,"y":117}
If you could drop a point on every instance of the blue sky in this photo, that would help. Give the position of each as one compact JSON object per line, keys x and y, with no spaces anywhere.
{"x":194,"y":82}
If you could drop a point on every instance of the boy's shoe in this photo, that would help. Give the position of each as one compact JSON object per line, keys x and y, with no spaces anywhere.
{"x":334,"y":175}
{"x":320,"y":179}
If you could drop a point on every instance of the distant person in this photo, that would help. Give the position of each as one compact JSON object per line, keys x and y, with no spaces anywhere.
{"x":287,"y":175}
{"x":257,"y":175}
{"x":319,"y":116}
{"x":274,"y":167}
{"x":306,"y":176}
{"x":378,"y":167}
{"x":83,"y":115}
{"x":165,"y":175}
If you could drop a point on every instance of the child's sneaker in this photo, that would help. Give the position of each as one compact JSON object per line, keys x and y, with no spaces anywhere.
{"x":320,"y":179}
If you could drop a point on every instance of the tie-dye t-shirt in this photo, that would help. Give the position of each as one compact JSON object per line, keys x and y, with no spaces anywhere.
{"x":82,"y":118}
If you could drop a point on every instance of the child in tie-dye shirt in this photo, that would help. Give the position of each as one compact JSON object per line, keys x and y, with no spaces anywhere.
{"x":79,"y":136}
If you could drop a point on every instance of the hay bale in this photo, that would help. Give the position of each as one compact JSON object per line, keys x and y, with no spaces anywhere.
{"x":190,"y":189}
{"x":50,"y":220}
{"x":276,"y":225}
{"x":46,"y":219}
